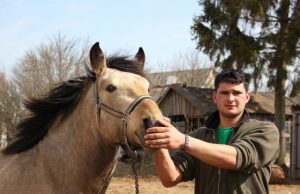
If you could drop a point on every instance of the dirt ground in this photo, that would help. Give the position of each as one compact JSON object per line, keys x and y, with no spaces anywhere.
{"x":151,"y":185}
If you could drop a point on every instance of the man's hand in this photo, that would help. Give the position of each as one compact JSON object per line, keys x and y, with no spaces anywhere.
{"x":165,"y":135}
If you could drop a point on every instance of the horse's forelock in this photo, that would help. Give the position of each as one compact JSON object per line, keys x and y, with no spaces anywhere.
{"x":124,"y":63}
{"x":121,"y":63}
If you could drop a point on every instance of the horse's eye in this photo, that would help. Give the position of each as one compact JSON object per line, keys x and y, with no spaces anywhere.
{"x":111,"y":88}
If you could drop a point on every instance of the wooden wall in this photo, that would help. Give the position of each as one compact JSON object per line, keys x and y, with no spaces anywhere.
{"x":174,"y":104}
{"x":295,"y":147}
{"x":180,"y":111}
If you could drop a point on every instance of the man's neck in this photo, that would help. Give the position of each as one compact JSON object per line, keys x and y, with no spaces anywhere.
{"x":229,"y":122}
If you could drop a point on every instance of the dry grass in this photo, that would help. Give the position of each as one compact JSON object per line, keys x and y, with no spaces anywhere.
{"x":123,"y":183}
{"x":151,"y":185}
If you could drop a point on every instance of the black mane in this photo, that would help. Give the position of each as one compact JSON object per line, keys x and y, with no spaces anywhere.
{"x":59,"y":101}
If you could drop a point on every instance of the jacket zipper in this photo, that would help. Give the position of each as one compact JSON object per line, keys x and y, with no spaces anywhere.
{"x":231,"y":137}
{"x":219,"y":169}
{"x":214,"y":136}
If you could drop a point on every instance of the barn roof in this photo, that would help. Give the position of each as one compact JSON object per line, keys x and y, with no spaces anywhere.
{"x":260,"y":102}
{"x":263,"y":102}
{"x":196,"y":77}
{"x":297,"y":99}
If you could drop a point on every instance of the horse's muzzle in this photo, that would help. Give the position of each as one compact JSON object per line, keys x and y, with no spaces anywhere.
{"x":147,"y":123}
{"x":138,"y":150}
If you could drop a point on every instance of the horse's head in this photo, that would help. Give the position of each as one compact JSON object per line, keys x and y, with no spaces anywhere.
{"x":125,"y":109}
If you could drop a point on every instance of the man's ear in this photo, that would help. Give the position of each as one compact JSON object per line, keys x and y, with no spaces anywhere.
{"x":248,"y":96}
{"x":214,"y":97}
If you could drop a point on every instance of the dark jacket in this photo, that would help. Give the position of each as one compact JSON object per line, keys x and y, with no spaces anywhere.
{"x":257,"y":145}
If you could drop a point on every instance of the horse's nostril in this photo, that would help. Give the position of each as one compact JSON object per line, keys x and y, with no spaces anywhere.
{"x":147,"y":123}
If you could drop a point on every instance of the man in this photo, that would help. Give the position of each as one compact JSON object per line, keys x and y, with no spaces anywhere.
{"x":231,"y":154}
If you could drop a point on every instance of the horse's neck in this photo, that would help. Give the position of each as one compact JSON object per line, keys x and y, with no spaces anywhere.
{"x":74,"y":146}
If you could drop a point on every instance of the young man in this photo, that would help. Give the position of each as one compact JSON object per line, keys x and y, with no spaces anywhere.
{"x":231,"y":154}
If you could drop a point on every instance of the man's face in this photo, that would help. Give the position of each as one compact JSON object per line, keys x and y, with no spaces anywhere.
{"x":231,"y":99}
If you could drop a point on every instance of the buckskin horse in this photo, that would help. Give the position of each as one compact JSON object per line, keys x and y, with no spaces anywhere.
{"x":69,"y":142}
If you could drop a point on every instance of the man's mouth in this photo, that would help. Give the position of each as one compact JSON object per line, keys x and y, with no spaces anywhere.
{"x":230,"y":106}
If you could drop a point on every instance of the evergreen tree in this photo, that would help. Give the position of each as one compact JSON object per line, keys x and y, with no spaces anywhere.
{"x":260,"y":37}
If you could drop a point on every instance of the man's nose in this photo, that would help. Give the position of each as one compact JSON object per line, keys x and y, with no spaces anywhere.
{"x":230,"y":97}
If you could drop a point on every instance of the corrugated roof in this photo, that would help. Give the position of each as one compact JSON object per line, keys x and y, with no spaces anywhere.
{"x":296,"y":99}
{"x":199,"y":97}
{"x":198,"y":77}
{"x":263,"y":102}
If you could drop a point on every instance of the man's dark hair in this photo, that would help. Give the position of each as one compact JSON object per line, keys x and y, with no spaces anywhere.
{"x":232,"y":76}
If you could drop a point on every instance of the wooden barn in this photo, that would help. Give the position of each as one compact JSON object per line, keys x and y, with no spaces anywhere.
{"x":203,"y":78}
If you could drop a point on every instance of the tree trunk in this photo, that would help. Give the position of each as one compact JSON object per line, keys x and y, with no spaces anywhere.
{"x":280,"y":110}
{"x":281,"y":75}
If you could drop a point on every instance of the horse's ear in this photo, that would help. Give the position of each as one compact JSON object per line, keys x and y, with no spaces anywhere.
{"x":98,"y":59}
{"x":140,"y":58}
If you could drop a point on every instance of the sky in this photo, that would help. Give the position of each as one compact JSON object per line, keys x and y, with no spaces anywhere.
{"x":161,"y":27}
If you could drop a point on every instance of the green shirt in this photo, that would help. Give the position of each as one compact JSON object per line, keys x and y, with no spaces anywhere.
{"x":223,"y":134}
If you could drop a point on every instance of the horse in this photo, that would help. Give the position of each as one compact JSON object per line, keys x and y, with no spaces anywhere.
{"x":69,"y":142}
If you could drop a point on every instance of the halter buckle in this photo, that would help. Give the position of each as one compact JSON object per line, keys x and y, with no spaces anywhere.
{"x":125,"y":117}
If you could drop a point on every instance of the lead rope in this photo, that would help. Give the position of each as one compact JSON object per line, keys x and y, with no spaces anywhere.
{"x":136,"y":179}
{"x":136,"y":166}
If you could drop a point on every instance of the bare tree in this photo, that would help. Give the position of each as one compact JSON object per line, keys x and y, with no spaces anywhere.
{"x":37,"y":72}
{"x":50,"y":63}
{"x":10,"y":107}
{"x":294,"y":91}
{"x":191,"y":63}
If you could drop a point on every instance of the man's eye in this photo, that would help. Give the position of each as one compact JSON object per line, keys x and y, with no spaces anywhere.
{"x":111,"y":88}
{"x":224,"y":93}
{"x":237,"y":93}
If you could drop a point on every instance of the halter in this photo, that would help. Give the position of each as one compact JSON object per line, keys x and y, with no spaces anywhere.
{"x":124,"y":116}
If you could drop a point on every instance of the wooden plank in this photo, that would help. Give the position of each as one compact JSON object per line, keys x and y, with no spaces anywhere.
{"x":297,"y":127}
{"x":295,"y":149}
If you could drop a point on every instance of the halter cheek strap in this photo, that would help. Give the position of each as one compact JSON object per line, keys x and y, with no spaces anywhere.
{"x":128,"y":112}
{"x":124,"y":116}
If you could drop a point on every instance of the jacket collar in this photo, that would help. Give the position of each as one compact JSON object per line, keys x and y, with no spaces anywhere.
{"x":213,"y":120}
